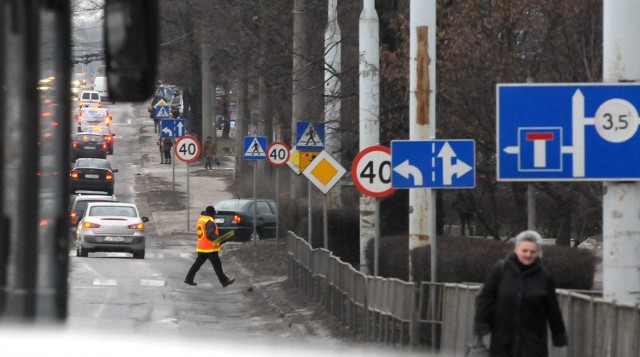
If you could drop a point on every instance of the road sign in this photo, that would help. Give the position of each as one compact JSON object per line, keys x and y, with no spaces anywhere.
{"x":371,"y":171}
{"x":433,"y":164}
{"x":324,"y":172}
{"x":568,"y":132}
{"x":294,"y":161}
{"x":162,"y":109}
{"x":309,"y":137}
{"x":278,"y":153}
{"x":255,"y":147}
{"x":187,"y":149}
{"x":173,"y":128}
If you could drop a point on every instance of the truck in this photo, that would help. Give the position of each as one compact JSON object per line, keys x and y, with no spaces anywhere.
{"x":100,"y":86}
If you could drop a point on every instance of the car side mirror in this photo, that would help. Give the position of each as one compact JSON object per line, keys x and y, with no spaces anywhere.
{"x":145,"y":219}
{"x":131,"y":40}
{"x":114,"y":170}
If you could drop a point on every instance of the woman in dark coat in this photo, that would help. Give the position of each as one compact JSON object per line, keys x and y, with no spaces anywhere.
{"x":517,"y":301}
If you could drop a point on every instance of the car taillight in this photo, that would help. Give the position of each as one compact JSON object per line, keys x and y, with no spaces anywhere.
{"x":74,"y":174}
{"x":108,"y":138}
{"x":104,"y":146}
{"x":75,"y":144}
{"x":108,"y":119}
{"x":109,"y":176}
{"x":236,"y":219}
{"x":74,"y":217}
{"x":91,"y":225}
{"x":138,"y":226}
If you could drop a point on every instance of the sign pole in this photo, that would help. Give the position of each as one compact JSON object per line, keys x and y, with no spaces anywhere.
{"x":173,"y":164}
{"x":188,"y":199}
{"x":277,"y":209}
{"x":309,"y":218}
{"x":255,"y":177}
{"x":325,"y":223}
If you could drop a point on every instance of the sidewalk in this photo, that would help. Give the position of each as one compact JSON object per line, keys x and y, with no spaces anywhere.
{"x":167,"y":186}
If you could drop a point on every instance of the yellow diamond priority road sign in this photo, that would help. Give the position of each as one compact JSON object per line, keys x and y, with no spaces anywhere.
{"x":324,"y":172}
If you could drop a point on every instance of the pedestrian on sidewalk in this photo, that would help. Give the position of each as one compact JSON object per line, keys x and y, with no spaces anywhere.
{"x":159,"y":143}
{"x":517,"y":302}
{"x":209,"y":153}
{"x":167,"y":144}
{"x":208,"y":248}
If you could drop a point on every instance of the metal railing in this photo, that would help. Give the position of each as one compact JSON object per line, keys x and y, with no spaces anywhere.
{"x":395,"y":312}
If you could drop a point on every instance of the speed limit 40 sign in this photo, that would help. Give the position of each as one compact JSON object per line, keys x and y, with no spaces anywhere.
{"x":371,"y":171}
{"x":278,"y":153}
{"x":187,"y":149}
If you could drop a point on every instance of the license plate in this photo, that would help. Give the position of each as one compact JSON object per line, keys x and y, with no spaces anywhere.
{"x":114,"y":239}
{"x":219,"y":220}
{"x":91,"y":176}
{"x":90,"y":147}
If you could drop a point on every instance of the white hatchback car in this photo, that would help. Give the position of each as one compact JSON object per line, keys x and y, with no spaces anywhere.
{"x":111,"y":227}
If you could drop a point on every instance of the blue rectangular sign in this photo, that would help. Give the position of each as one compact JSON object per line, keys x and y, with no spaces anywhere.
{"x":173,"y":128}
{"x":255,"y":148}
{"x":568,"y":132}
{"x":433,"y":164}
{"x":309,"y":136}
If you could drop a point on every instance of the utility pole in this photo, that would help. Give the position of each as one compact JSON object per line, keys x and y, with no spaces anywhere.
{"x":332,"y":101}
{"x":422,"y":118}
{"x":299,"y":97}
{"x":620,"y":230}
{"x":369,"y":40}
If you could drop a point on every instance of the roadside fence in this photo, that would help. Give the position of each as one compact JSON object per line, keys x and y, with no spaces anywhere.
{"x":404,"y":314}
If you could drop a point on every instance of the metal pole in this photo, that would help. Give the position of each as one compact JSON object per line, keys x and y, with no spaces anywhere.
{"x":255,"y":178}
{"x":310,"y":225}
{"x":376,"y":240}
{"x":188,"y":199}
{"x":325,"y":223}
{"x":173,"y":163}
{"x":277,"y":208}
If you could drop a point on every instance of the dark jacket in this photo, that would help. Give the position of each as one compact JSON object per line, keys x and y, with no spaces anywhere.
{"x":515,"y":305}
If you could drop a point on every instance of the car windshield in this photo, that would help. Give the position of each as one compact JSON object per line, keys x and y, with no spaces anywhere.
{"x":228,"y":205}
{"x":118,"y":211}
{"x":93,"y":163}
{"x":87,"y":138}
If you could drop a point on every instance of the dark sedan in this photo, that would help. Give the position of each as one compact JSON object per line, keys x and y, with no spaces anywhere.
{"x":89,"y":145}
{"x":105,"y":131}
{"x":237,"y":215}
{"x":92,"y":175}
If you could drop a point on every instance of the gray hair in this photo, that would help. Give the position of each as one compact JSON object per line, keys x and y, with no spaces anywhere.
{"x":530,"y":236}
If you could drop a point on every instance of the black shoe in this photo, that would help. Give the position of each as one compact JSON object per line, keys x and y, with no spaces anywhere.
{"x":190,"y":282}
{"x":229,"y":282}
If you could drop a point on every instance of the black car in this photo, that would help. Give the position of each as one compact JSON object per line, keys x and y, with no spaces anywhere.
{"x":80,"y":202}
{"x":92,"y":175}
{"x":237,"y":215}
{"x":88,"y":144}
{"x":105,"y":131}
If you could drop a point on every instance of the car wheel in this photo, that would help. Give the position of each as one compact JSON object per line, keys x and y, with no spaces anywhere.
{"x":138,"y":255}
{"x":110,"y":151}
{"x":81,"y":252}
{"x":110,"y":192}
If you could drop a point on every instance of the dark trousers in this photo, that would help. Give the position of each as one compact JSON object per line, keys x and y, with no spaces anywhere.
{"x":215,"y":261}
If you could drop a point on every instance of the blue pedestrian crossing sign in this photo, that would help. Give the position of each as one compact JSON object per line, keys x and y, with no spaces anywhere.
{"x":433,"y":164}
{"x":162,"y":109}
{"x":255,"y":148}
{"x":309,"y":137}
{"x":173,"y":128}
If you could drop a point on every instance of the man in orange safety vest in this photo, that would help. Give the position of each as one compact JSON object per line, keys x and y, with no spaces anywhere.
{"x":208,"y":248}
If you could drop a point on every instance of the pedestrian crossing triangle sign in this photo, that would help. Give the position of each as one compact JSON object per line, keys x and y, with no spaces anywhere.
{"x":255,"y":147}
{"x":310,"y":137}
{"x":162,"y":111}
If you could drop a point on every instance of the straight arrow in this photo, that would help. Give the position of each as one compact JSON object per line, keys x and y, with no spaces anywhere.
{"x":460,"y":168}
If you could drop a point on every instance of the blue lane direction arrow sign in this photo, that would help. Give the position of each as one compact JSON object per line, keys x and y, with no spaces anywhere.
{"x":568,"y":132}
{"x":309,"y":137}
{"x":433,"y":164}
{"x":255,"y":148}
{"x":173,"y":128}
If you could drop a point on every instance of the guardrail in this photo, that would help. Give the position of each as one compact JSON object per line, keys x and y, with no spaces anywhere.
{"x":396,"y":312}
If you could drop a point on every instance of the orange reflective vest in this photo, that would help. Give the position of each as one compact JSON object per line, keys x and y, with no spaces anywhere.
{"x":206,"y":244}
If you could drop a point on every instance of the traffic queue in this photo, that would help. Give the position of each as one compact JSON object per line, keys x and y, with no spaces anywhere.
{"x":101,"y":222}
